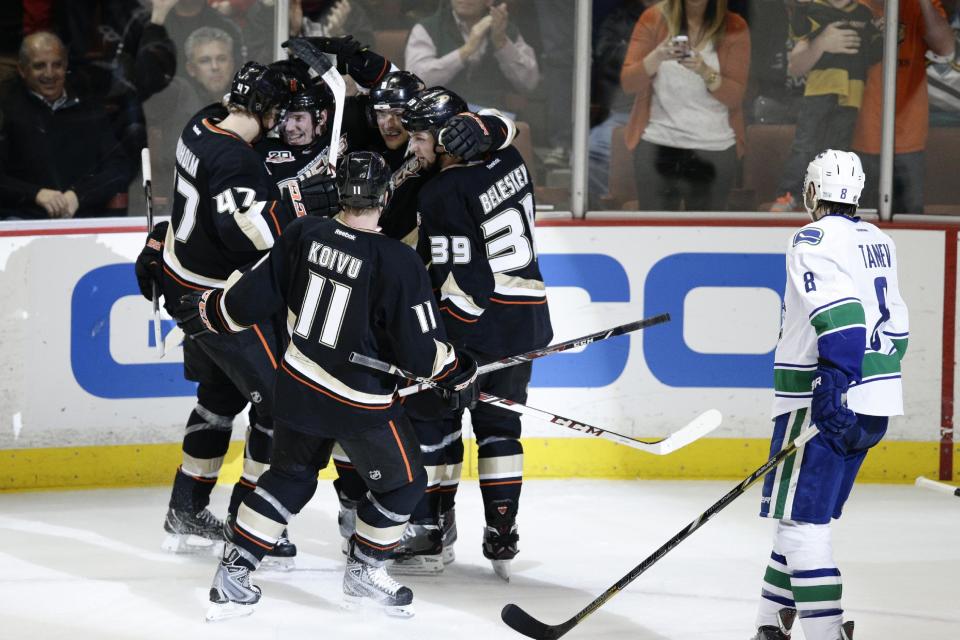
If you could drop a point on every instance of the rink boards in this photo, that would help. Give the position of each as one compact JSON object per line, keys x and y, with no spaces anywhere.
{"x":84,"y":401}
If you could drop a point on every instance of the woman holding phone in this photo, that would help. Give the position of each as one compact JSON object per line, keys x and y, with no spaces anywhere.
{"x":687,"y":64}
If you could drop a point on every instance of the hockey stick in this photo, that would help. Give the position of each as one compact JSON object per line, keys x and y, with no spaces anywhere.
{"x":148,"y":195}
{"x":943,"y":487}
{"x":697,"y":428}
{"x":583,"y":341}
{"x":319,"y":62}
{"x":522,"y":622}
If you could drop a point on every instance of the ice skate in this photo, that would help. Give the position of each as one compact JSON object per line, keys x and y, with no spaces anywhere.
{"x":281,"y":557}
{"x":420,"y":551}
{"x":448,"y":524}
{"x":846,"y":630}
{"x":785,"y":619}
{"x":500,"y":536}
{"x":232,"y":595}
{"x":192,"y":533}
{"x":366,"y":581}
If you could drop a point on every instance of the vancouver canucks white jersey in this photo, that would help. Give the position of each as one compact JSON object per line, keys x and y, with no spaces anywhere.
{"x":842,"y":305}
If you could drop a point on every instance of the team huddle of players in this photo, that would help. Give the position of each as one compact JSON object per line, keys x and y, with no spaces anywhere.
{"x":417,"y":249}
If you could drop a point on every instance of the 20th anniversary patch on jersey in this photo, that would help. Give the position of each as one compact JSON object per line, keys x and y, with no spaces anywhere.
{"x":810,"y":235}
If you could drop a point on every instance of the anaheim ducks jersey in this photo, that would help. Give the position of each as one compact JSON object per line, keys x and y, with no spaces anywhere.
{"x":343,"y":290}
{"x":478,"y":221}
{"x":842,"y":305}
{"x":225,"y":211}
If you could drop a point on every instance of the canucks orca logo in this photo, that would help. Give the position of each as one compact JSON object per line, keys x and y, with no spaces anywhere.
{"x":812,"y":235}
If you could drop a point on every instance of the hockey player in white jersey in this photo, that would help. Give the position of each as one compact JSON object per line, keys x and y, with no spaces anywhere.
{"x":844,"y":332}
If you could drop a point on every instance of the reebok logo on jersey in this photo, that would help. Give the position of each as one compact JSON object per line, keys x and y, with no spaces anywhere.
{"x":341,"y":232}
{"x":375,"y":474}
{"x":813,"y":235}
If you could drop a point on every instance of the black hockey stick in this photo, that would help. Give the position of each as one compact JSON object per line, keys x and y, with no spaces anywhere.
{"x":583,"y":341}
{"x":318,"y":61}
{"x":148,"y":196}
{"x":522,"y":622}
{"x":943,"y":487}
{"x":696,"y":428}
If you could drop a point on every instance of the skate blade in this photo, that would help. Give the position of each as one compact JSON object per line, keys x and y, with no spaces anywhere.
{"x":502,"y":569}
{"x":218,"y":612}
{"x":417,"y":566}
{"x":449,"y":555}
{"x":189,"y":543}
{"x":357,"y":603}
{"x":275,"y":563}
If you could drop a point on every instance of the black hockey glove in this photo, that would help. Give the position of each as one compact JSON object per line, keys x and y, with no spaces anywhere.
{"x":353,"y":57}
{"x":459,"y":389}
{"x":198,"y":313}
{"x":465,"y":135}
{"x":319,"y":196}
{"x":149,"y":265}
{"x":828,"y":411}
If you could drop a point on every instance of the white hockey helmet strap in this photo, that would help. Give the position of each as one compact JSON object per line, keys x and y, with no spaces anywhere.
{"x":836,"y":176}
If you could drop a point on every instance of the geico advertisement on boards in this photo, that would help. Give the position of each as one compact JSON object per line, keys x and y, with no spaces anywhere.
{"x":79,"y":364}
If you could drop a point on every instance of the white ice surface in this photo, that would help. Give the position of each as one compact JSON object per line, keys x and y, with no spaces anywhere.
{"x":88,"y":565}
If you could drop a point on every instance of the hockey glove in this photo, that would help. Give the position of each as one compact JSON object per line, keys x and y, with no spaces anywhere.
{"x":466,"y":136}
{"x":828,"y":410}
{"x":198,"y":313}
{"x":353,"y":57}
{"x":459,"y":389}
{"x":149,"y":265}
{"x":319,"y":196}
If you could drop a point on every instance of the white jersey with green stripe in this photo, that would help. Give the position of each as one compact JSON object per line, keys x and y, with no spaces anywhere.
{"x":842,"y":285}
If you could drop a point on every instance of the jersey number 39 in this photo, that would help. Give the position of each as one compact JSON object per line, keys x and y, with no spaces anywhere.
{"x":509,"y":248}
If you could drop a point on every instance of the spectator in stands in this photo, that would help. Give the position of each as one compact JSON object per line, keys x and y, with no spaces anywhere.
{"x":835,"y":42}
{"x":943,"y":77}
{"x":923,"y":27}
{"x":686,"y":127}
{"x":210,"y":66}
{"x":332,"y":18}
{"x":183,"y":17}
{"x":609,"y":49}
{"x":472,"y":48}
{"x":58,"y":155}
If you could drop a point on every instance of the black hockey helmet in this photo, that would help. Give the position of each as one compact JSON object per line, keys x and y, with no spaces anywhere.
{"x":431,"y":109}
{"x":258,"y":88}
{"x":362,"y":179}
{"x":395,"y":90}
{"x":313,"y":99}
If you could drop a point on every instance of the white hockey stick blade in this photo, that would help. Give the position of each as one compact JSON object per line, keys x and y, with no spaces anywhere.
{"x":173,"y":339}
{"x":933,"y":485}
{"x":339,"y":88}
{"x":695,"y":429}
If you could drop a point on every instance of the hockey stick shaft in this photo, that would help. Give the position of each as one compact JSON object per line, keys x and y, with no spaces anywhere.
{"x":942,"y":487}
{"x":582,"y":341}
{"x":701,"y":425}
{"x":522,"y":622}
{"x":148,"y":197}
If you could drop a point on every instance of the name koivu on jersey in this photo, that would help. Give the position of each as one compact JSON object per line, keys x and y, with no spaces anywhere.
{"x":334,"y":259}
{"x":503,"y":188}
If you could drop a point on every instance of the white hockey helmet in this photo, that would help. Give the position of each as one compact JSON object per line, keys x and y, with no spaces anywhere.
{"x":833,"y":176}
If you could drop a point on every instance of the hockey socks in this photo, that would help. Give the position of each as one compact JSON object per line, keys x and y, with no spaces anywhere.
{"x":205,"y":443}
{"x":801,"y":574}
{"x":500,"y":466}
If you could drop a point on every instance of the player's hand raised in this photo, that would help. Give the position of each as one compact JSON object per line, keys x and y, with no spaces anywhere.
{"x":319,"y":195}
{"x":149,"y":264}
{"x":465,"y":136}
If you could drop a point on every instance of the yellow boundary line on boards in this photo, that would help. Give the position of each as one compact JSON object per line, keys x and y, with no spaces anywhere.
{"x":708,"y":459}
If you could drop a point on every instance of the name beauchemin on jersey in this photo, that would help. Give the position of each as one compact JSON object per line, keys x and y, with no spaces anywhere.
{"x":503,"y":188}
{"x":185,"y":158}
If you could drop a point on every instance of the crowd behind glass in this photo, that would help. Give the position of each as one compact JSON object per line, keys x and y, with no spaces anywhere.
{"x":695,"y":105}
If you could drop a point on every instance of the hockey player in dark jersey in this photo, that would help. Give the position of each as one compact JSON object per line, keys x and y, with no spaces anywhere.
{"x":478,"y":220}
{"x":223,"y":220}
{"x":344,"y":287}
